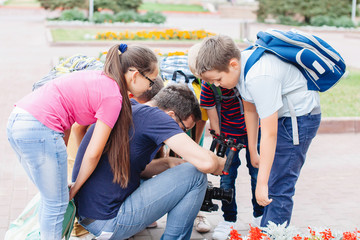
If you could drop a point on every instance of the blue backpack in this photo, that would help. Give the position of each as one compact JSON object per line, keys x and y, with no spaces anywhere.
{"x":320,"y":64}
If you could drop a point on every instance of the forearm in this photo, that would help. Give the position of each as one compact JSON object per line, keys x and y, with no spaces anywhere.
{"x":200,"y":125}
{"x":92,"y":155}
{"x":267,"y":147}
{"x":267,"y":153}
{"x":78,"y":133}
{"x":213,"y":119}
{"x":204,"y":160}
{"x":155,"y":167}
{"x":252,"y":127}
{"x":87,"y":167}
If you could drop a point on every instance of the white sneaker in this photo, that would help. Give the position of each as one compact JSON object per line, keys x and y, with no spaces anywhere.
{"x":201,"y":224}
{"x":222,"y":230}
{"x":256,"y":221}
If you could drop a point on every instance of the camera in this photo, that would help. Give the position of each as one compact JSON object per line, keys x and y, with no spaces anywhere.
{"x":215,"y":193}
{"x":223,"y":144}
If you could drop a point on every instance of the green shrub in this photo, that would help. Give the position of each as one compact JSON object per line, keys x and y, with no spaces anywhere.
{"x":103,"y":17}
{"x":152,"y":17}
{"x":287,"y":20}
{"x":344,"y":21}
{"x":105,"y":4}
{"x":114,"y":5}
{"x":72,"y":15}
{"x":118,"y":5}
{"x":66,"y":4}
{"x":321,"y":21}
{"x":307,"y":9}
{"x":126,"y":16}
{"x":128,"y":4}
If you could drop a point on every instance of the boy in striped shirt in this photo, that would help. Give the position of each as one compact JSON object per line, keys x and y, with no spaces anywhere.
{"x":232,"y":125}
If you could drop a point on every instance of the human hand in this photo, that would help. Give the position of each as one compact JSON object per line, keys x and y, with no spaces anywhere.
{"x":72,"y":191}
{"x":262,"y":195}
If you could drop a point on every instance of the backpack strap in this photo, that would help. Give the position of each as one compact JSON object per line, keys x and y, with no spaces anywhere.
{"x":181,"y":73}
{"x":254,"y":57}
{"x":237,"y":95}
{"x":217,"y":96}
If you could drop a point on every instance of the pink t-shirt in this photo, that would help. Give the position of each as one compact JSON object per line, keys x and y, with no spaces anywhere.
{"x":81,"y":97}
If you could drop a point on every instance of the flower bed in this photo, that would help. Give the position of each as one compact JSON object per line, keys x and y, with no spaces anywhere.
{"x":281,"y":232}
{"x":167,"y":34}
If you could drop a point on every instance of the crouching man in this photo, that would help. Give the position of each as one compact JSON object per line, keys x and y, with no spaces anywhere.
{"x":120,"y":209}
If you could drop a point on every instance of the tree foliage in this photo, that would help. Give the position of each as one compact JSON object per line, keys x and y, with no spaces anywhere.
{"x":303,"y":10}
{"x":114,"y":5}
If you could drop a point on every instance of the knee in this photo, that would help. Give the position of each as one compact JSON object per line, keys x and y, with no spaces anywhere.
{"x":193,"y":173}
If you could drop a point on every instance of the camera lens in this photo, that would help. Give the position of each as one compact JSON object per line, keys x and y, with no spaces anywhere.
{"x":223,"y":194}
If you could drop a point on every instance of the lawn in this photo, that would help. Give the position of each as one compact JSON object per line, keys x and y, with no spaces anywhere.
{"x":343,"y":100}
{"x":22,"y":3}
{"x":172,"y":7}
{"x":159,"y":7}
{"x":74,"y":34}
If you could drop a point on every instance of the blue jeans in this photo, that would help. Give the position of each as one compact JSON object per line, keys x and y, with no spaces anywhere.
{"x":228,"y":182}
{"x":42,"y":153}
{"x":178,"y":191}
{"x":286,"y":167}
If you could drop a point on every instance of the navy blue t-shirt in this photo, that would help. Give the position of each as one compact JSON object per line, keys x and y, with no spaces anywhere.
{"x":99,"y":198}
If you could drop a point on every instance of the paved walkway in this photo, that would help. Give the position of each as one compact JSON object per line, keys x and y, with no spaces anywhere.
{"x":328,"y":189}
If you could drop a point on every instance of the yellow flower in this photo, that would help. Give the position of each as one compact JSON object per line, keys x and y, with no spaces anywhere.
{"x":156,"y":34}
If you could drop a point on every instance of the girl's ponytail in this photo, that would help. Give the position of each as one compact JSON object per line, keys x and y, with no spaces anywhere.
{"x":118,"y":60}
{"x":117,"y":147}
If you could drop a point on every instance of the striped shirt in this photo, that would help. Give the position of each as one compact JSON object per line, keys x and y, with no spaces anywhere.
{"x":232,"y":121}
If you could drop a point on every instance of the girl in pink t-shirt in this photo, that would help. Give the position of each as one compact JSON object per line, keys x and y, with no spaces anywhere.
{"x":40,"y":124}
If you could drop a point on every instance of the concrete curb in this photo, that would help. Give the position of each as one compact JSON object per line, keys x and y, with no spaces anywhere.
{"x":340,"y":125}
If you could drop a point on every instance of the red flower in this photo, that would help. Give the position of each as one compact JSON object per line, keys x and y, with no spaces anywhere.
{"x":234,"y":235}
{"x":312,"y":232}
{"x":351,"y":235}
{"x":297,"y":237}
{"x":326,"y":235}
{"x":255,"y":233}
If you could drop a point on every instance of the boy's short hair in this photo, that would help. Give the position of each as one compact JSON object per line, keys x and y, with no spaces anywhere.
{"x":149,"y":94}
{"x":179,"y":98}
{"x":192,"y":55}
{"x":215,"y":54}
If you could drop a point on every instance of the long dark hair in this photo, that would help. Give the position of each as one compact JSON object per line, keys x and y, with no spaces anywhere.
{"x":116,"y":65}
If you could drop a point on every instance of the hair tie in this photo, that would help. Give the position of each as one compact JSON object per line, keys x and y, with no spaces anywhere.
{"x":122,"y":48}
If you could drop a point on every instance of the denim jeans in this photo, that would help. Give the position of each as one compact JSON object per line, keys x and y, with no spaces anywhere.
{"x":42,"y":153}
{"x":286,"y":167}
{"x":178,"y":191}
{"x":228,"y":182}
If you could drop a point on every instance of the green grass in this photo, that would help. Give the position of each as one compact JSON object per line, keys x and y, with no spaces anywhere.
{"x":22,"y":3}
{"x":76,"y":34}
{"x":343,"y":100}
{"x":159,"y":7}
